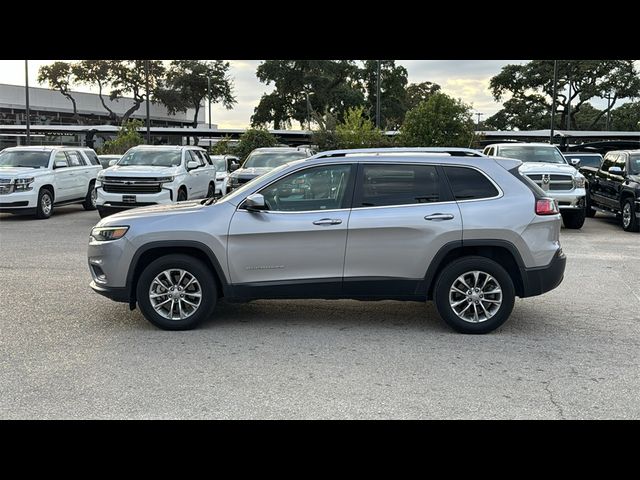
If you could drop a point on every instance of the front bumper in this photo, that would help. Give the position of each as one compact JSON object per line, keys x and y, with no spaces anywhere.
{"x":536,"y":281}
{"x":19,"y":202}
{"x":115,"y":294}
{"x":120,"y":201}
{"x":573,"y":200}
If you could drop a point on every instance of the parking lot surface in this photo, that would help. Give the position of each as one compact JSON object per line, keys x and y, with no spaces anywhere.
{"x":68,"y":353}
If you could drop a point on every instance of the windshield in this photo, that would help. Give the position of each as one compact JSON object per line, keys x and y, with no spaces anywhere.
{"x":533,"y":154}
{"x":24,"y":158}
{"x":587,"y":160}
{"x":271,"y":159}
{"x":634,"y":164}
{"x":155,"y":158}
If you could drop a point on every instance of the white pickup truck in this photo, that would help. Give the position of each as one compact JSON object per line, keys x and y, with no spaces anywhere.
{"x":155,"y":175}
{"x":34,"y":180}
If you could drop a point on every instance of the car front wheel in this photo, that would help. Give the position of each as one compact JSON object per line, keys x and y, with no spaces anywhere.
{"x":176,"y":292}
{"x":629,"y":220}
{"x":474,"y":295}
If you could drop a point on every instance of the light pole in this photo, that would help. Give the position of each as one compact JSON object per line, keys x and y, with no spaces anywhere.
{"x":608,"y":109}
{"x":146,"y":74}
{"x":378,"y":97}
{"x":209,"y":96}
{"x":479,"y":115}
{"x":308,"y":111}
{"x":26,"y":91}
{"x":553,"y":100}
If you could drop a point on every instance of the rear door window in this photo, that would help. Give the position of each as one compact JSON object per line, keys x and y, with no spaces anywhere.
{"x":74,"y":159}
{"x":469,"y":184}
{"x":386,"y":185}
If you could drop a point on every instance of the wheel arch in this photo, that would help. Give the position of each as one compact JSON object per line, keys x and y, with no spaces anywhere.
{"x":154,"y":250}
{"x":501,"y":251}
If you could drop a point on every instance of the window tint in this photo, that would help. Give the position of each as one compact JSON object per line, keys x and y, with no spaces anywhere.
{"x":398,"y":185}
{"x":206,"y":158}
{"x":468,"y":183}
{"x":93,"y":158}
{"x":318,"y":188}
{"x":586,"y":160}
{"x":608,"y":162}
{"x":74,"y":159}
{"x":60,"y":157}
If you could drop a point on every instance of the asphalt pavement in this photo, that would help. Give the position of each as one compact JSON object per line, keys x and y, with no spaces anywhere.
{"x":68,"y":353}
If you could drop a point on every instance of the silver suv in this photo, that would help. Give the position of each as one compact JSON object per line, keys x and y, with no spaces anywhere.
{"x":464,"y":230}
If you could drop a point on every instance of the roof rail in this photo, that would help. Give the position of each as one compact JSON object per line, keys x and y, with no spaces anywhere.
{"x":452,"y":151}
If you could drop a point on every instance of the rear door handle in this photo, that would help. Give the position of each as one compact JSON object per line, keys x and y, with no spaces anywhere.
{"x":328,"y":221}
{"x":439,"y":216}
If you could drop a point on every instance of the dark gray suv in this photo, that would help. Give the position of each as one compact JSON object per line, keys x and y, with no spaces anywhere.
{"x":467,"y":231}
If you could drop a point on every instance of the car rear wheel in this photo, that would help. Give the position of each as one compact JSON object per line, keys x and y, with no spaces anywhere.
{"x":211,"y":192}
{"x":474,"y":295}
{"x":176,"y":292}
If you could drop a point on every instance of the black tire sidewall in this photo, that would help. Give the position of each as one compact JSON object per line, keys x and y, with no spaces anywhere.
{"x":574,"y":219}
{"x":193,"y":266}
{"x":182,"y":192}
{"x":87,"y":201}
{"x":211,"y":191}
{"x":39,"y":212}
{"x":457,"y":268}
{"x":633,"y":224}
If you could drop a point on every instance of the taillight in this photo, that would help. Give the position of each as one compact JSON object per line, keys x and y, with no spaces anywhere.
{"x":546,"y":206}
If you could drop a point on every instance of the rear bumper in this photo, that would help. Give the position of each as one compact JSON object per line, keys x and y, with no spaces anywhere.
{"x":537,"y":281}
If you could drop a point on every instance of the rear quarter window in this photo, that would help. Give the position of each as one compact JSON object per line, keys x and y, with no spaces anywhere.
{"x":469,"y":184}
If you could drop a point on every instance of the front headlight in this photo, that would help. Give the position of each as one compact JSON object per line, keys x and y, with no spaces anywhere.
{"x":578,"y":181}
{"x":23,"y":184}
{"x":106,"y":234}
{"x":165,"y":179}
{"x":100,"y":176}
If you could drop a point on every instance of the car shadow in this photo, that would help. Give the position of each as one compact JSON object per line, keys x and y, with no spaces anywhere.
{"x":57,"y":212}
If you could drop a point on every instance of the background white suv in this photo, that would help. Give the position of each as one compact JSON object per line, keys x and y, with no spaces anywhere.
{"x":35,"y":179}
{"x":152,"y":175}
{"x":223,"y":164}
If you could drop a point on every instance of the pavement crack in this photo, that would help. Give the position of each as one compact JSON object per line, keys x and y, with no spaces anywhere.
{"x":553,"y":400}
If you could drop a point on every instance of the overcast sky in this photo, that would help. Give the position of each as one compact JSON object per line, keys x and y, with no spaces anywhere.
{"x":464,"y":79}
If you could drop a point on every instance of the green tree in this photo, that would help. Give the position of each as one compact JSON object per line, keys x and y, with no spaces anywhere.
{"x":59,"y":76}
{"x":252,"y":139}
{"x":127,"y":77}
{"x":419,"y":92}
{"x":626,"y":117}
{"x":586,"y":118}
{"x":306,"y":89}
{"x":95,"y":73}
{"x":532,"y":83}
{"x":223,"y":147}
{"x":357,"y":131}
{"x":393,"y":94}
{"x":521,"y":114}
{"x":438,"y":122}
{"x":186,"y":86}
{"x":127,"y":137}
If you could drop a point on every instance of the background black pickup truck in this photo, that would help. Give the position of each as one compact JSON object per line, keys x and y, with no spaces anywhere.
{"x":615,"y":187}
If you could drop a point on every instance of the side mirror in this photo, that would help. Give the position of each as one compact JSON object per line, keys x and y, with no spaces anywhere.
{"x":234,"y":166}
{"x":615,"y":170}
{"x":255,"y":202}
{"x":112,"y":162}
{"x":60,"y":164}
{"x":575,"y":162}
{"x":192,"y":165}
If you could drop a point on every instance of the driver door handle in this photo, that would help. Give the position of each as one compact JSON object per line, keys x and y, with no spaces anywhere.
{"x":328,"y":221}
{"x":439,"y":216}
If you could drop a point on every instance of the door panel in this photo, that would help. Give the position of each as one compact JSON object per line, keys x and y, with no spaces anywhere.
{"x":78,"y":174}
{"x":64,"y":179}
{"x":402,"y":215}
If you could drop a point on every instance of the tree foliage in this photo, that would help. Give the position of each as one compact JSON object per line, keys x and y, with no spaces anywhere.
{"x":254,"y":138}
{"x":95,"y":73}
{"x":419,"y":92}
{"x":626,"y":117}
{"x":59,"y":76}
{"x":306,"y":88}
{"x":223,"y":147}
{"x":439,"y":121}
{"x":358,"y":131}
{"x":531,"y":84}
{"x":393,"y":93}
{"x":186,"y":86}
{"x":127,"y":137}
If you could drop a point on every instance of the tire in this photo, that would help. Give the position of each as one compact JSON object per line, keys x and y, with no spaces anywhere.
{"x":44,"y":208}
{"x":91,"y":198}
{"x":147,"y":285}
{"x":182,"y":195}
{"x":211,"y":192}
{"x":629,"y":220}
{"x":574,"y":219}
{"x":446,"y":298}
